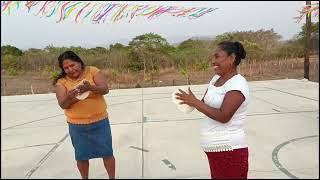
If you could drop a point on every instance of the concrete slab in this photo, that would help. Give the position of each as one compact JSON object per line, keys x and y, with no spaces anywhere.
{"x":128,"y":158}
{"x":17,"y":163}
{"x":152,"y":139}
{"x":161,"y":139}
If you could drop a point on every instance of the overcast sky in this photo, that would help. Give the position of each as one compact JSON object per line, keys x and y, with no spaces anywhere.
{"x":25,"y":30}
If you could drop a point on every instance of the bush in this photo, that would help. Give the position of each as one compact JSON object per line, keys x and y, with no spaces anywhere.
{"x":115,"y":72}
{"x":12,"y":72}
{"x":54,"y":75}
{"x":10,"y":50}
{"x":201,"y":66}
{"x":9,"y":61}
{"x":47,"y":68}
{"x":136,"y":66}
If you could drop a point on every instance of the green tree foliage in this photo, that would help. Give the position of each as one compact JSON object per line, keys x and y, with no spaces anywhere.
{"x":260,"y":45}
{"x":147,"y":51}
{"x":201,"y":66}
{"x":185,"y":72}
{"x":302,"y":36}
{"x":151,"y":52}
{"x":149,"y":41}
{"x":10,"y":50}
{"x":54,"y":75}
{"x":117,"y":46}
{"x":9,"y":61}
{"x":191,"y":52}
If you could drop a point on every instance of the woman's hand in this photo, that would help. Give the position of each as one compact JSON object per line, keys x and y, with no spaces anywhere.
{"x":86,"y":86}
{"x":187,"y":98}
{"x":73,"y":93}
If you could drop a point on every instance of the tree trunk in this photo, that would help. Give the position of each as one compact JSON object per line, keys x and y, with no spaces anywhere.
{"x":308,"y":43}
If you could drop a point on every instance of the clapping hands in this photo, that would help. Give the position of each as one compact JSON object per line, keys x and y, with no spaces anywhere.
{"x":85,"y":86}
{"x":187,"y":98}
{"x":73,"y":93}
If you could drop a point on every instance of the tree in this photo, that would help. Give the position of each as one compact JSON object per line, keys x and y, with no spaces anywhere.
{"x":10,"y":50}
{"x":116,"y":46}
{"x":145,"y":46}
{"x":148,"y":41}
{"x":184,"y":70}
{"x":314,"y":36}
{"x":261,"y":44}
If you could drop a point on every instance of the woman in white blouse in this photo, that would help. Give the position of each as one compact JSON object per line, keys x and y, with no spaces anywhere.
{"x":225,"y":105}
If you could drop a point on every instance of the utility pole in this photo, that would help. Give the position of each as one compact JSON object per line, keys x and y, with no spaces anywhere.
{"x":308,"y":42}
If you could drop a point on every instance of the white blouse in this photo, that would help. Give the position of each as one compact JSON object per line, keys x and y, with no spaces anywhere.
{"x":216,"y":136}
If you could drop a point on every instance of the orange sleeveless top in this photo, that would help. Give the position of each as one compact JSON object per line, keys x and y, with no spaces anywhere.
{"x":89,"y":110}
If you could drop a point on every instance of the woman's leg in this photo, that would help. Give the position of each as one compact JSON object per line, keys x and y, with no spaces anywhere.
{"x":110,"y":165}
{"x":83,"y":166}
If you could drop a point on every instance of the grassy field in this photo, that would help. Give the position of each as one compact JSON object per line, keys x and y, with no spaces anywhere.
{"x":40,"y":83}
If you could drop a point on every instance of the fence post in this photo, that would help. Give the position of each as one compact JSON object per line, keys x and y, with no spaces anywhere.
{"x":4,"y":88}
{"x":31,"y":89}
{"x":260,"y":70}
{"x":279,"y":65}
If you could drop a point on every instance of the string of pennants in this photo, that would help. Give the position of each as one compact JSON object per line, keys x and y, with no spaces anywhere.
{"x":308,"y":10}
{"x":99,"y":12}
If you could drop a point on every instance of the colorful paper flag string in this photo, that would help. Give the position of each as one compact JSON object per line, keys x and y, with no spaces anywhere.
{"x":308,"y":10}
{"x":99,"y":12}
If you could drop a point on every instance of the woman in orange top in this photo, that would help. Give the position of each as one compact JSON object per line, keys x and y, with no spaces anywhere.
{"x":89,"y":126}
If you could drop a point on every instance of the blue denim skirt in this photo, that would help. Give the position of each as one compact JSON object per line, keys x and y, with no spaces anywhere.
{"x":91,"y":140}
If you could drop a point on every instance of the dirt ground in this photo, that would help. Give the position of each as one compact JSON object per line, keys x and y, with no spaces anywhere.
{"x":40,"y":83}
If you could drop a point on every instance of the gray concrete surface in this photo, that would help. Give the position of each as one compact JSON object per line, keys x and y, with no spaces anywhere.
{"x":152,"y":139}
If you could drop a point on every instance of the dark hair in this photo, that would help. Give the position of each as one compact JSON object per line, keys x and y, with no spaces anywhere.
{"x":67,"y":55}
{"x":233,"y":47}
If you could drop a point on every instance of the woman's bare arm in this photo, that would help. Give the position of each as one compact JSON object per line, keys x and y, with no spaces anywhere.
{"x":66,"y":98}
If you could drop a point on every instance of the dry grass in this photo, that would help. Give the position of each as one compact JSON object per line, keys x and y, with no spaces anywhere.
{"x":38,"y":83}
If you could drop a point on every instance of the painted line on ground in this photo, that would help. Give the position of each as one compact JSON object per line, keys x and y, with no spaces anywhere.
{"x":275,"y":158}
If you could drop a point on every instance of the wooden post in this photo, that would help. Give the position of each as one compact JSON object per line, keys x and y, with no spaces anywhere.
{"x":279,"y":65}
{"x":31,"y":89}
{"x":308,"y":43}
{"x":4,"y":88}
{"x":260,"y":70}
{"x":144,"y":69}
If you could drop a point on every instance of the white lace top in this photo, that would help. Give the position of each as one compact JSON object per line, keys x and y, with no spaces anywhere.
{"x":216,"y":136}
